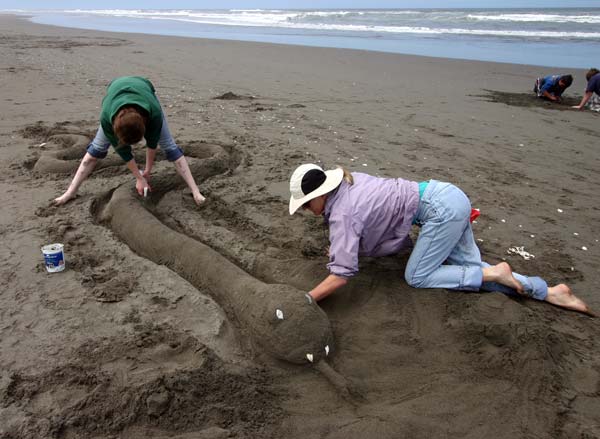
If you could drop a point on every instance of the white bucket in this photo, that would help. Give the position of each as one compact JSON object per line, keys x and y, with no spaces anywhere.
{"x":54,"y":257}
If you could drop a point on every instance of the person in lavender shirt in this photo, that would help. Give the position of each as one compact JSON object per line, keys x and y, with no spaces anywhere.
{"x":372,"y":216}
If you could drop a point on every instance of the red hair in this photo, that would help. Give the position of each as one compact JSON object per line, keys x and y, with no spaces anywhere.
{"x":129,"y":125}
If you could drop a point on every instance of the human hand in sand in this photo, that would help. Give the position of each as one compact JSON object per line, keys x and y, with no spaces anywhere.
{"x":198,"y":198}
{"x":183,"y":169}
{"x":63,"y":199}
{"x":586,"y":97}
{"x":85,"y":168}
{"x":141,"y":184}
{"x":146,"y":174}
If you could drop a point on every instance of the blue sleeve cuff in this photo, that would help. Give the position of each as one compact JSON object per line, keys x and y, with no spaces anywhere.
{"x":96,"y":152}
{"x":173,"y":154}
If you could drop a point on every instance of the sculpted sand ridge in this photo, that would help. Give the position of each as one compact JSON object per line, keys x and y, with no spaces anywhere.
{"x":281,"y":320}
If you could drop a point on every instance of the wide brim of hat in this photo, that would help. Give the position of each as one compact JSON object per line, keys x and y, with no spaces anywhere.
{"x":333,"y":178}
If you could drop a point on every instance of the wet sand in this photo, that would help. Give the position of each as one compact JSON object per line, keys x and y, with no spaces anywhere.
{"x":127,"y":343}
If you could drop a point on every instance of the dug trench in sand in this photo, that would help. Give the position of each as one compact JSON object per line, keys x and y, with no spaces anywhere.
{"x":267,"y":261}
{"x":65,"y":160}
{"x":281,"y":319}
{"x":64,"y":150}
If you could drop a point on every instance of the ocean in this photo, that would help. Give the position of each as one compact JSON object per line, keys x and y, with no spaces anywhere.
{"x":565,"y":38}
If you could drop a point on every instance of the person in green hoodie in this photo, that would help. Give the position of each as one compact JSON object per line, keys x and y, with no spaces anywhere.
{"x":131,"y":111}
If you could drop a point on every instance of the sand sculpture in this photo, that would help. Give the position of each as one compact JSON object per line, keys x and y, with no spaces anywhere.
{"x":279,"y":318}
{"x":63,"y":153}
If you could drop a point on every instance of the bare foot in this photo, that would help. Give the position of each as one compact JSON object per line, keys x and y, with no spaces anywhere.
{"x":502,"y":274}
{"x":561,"y":295}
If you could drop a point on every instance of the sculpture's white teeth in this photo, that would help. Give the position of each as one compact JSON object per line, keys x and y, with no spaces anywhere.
{"x":327,"y":350}
{"x":309,"y":357}
{"x":279,"y":314}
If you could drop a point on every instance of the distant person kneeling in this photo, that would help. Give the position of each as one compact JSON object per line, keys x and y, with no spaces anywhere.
{"x":131,"y":111}
{"x":593,"y":86}
{"x":552,"y":87}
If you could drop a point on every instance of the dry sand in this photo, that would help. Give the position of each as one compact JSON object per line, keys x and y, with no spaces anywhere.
{"x":129,"y":346}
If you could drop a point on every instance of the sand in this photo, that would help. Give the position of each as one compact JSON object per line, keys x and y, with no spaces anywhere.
{"x":126,"y":344}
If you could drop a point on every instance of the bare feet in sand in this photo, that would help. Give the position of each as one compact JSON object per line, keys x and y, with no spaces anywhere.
{"x":561,"y":295}
{"x":502,"y":274}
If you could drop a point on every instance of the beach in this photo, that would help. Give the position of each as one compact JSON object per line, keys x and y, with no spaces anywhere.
{"x":122,"y":344}
{"x":559,"y":37}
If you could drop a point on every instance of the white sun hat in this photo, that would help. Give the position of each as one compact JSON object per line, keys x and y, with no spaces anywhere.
{"x":310,"y":181}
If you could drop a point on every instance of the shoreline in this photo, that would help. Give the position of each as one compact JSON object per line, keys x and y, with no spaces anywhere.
{"x":258,"y":44}
{"x":308,"y":40}
{"x":117,"y":345}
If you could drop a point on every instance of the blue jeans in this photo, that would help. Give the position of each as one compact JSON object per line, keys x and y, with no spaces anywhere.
{"x":99,"y":146}
{"x":446,"y":255}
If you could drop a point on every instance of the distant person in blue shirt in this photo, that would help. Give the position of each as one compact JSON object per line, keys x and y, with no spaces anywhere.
{"x":593,"y":86}
{"x":552,"y":87}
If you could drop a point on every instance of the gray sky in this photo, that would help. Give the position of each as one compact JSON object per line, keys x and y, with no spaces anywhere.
{"x":287,"y":4}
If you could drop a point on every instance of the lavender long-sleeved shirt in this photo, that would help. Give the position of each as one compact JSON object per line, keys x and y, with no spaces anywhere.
{"x":372,"y":217}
